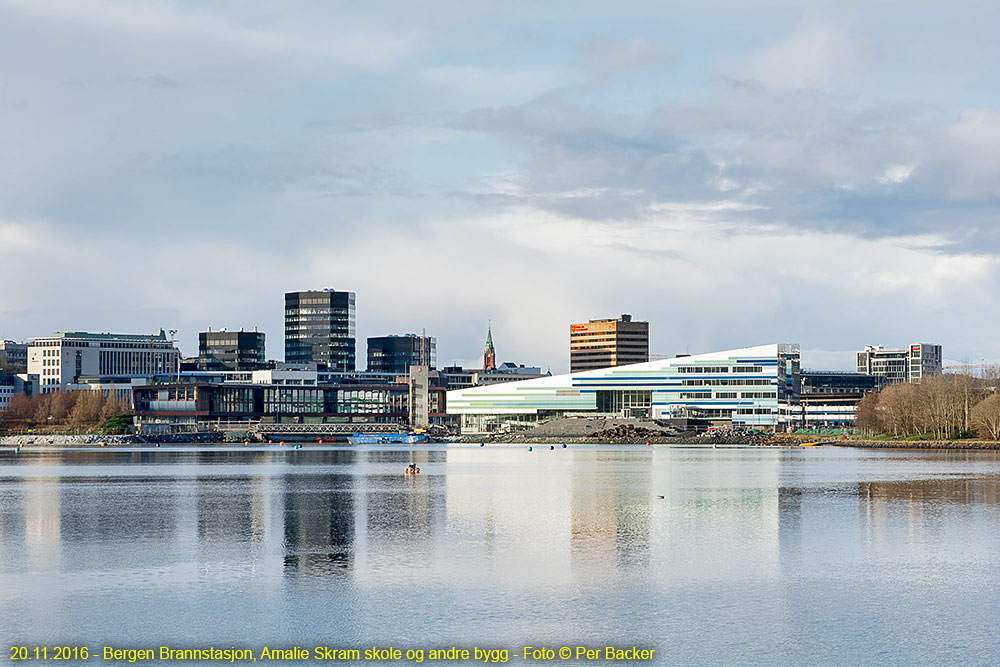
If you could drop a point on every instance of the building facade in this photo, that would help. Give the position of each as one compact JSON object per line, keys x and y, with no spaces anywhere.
{"x":12,"y":384}
{"x":395,"y":354}
{"x":13,"y":355}
{"x":607,"y":343}
{"x":896,"y":366}
{"x":755,"y":386}
{"x":231,"y":350}
{"x":828,"y":399}
{"x":64,"y":359}
{"x":193,"y":406}
{"x":320,"y":328}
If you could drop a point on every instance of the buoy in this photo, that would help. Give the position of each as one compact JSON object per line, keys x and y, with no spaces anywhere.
{"x":552,"y":447}
{"x":529,"y":449}
{"x":246,"y":442}
{"x":647,"y":443}
{"x":482,"y":444}
{"x":102,"y":444}
{"x":564,"y":445}
{"x":282,"y":443}
{"x":269,"y":442}
{"x":320,"y":441}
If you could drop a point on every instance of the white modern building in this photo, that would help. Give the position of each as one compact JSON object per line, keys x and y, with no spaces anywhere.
{"x":64,"y":359}
{"x":754,"y":386}
{"x":909,"y":365}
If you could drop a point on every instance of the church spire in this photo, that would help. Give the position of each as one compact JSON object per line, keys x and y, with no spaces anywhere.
{"x":489,"y":354}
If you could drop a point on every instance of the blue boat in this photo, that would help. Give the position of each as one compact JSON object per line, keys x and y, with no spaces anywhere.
{"x":387,"y":439}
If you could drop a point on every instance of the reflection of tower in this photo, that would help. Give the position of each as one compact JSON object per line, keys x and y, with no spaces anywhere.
{"x":489,"y":354}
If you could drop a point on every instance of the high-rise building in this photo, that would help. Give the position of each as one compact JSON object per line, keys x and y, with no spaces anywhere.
{"x":896,"y":366}
{"x":395,"y":354}
{"x":320,"y":328}
{"x":231,"y":350}
{"x":605,"y":343}
{"x":63,"y":358}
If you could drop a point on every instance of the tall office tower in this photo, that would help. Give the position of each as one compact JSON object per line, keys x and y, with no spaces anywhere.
{"x":910,"y":365}
{"x":320,"y":328}
{"x":395,"y":354}
{"x":605,"y":343}
{"x":231,"y":350}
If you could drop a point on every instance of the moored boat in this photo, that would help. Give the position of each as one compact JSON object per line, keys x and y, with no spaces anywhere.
{"x":387,"y":439}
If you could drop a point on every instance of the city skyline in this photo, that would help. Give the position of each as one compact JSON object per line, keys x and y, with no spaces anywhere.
{"x":732,"y":174}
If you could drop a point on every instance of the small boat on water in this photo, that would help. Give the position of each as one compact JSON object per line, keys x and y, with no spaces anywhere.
{"x":387,"y":439}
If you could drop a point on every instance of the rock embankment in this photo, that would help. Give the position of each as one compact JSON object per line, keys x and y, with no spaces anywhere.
{"x":97,"y":439}
{"x":621,"y":432}
{"x":921,"y":444}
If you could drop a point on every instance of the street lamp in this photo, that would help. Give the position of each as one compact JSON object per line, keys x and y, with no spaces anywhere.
{"x":172,"y":333}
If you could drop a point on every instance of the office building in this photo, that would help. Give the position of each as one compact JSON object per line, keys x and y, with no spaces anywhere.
{"x":293,"y":397}
{"x":231,"y":350}
{"x":896,"y":366}
{"x":12,"y":384}
{"x":607,"y":343}
{"x":395,"y":354}
{"x":830,"y":398}
{"x":13,"y":356}
{"x":65,"y":359}
{"x":320,"y":328}
{"x":755,"y":386}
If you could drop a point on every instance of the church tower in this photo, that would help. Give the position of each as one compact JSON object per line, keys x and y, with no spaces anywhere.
{"x":489,"y":354}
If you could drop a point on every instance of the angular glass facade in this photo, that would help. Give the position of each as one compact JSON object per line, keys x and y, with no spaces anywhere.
{"x":752,"y":386}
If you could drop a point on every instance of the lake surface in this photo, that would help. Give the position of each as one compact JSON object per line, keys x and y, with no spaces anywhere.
{"x":752,"y":555}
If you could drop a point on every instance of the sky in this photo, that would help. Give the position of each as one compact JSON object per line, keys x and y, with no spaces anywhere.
{"x":734,"y":173}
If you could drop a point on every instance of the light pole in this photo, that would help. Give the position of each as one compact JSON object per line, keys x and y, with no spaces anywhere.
{"x":173,"y":332}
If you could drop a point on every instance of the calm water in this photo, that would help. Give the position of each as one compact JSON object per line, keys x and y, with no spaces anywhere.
{"x":754,"y":555}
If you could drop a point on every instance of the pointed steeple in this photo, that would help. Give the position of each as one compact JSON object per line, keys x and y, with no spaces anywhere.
{"x":489,"y":354}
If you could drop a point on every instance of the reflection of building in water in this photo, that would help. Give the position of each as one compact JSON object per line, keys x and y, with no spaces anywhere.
{"x":42,"y":515}
{"x":789,"y":517}
{"x":981,"y":491}
{"x":403,"y":516}
{"x":231,"y":507}
{"x":713,"y":500}
{"x":319,"y":520}
{"x":610,"y":514}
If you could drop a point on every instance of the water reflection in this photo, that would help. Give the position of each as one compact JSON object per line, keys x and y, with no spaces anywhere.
{"x":582,"y":542}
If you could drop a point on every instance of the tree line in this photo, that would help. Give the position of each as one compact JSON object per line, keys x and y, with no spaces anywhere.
{"x":946,"y":406}
{"x":66,"y":410}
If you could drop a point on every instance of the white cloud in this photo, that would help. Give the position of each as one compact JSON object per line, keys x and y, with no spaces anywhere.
{"x":809,"y":59}
{"x":895,"y":174}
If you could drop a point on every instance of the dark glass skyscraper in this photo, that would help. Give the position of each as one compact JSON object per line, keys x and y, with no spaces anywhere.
{"x":395,"y":354}
{"x":230,"y":350}
{"x":320,"y":328}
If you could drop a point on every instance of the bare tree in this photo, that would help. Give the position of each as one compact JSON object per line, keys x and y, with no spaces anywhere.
{"x":986,"y":417}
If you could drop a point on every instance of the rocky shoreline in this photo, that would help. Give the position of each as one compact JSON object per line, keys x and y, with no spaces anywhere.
{"x":920,"y":444}
{"x":618,"y":435}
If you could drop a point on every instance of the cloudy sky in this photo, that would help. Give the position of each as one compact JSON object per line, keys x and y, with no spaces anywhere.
{"x":735,"y":173}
